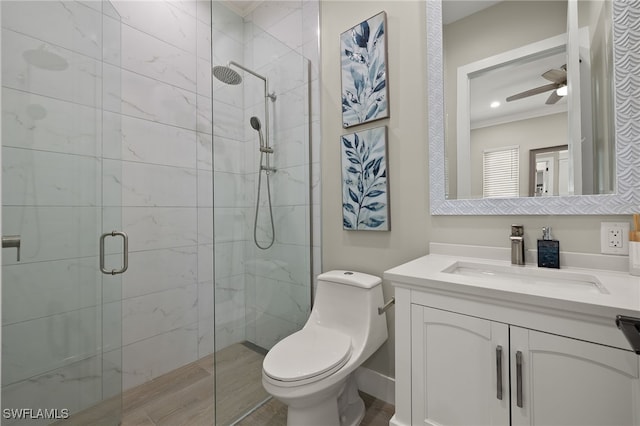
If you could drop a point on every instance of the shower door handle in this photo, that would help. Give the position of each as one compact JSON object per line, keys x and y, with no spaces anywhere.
{"x":125,"y":252}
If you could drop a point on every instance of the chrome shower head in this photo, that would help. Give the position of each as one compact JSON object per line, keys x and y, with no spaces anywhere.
{"x":226,"y":75}
{"x":255,"y":123}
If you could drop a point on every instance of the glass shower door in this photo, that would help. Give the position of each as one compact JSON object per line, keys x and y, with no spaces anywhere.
{"x":262,"y":274}
{"x":61,"y":317}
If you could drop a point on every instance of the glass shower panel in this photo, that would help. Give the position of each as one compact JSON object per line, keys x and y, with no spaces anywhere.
{"x":261,"y":295}
{"x":60,"y":315}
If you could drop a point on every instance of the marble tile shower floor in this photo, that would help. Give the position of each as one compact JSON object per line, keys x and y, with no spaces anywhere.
{"x":184,"y":397}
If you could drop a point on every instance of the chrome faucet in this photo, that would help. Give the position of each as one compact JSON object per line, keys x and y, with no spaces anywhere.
{"x":517,"y":244}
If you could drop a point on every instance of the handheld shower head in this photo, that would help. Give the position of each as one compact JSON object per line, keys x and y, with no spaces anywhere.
{"x":257,"y":126}
{"x":255,"y":123}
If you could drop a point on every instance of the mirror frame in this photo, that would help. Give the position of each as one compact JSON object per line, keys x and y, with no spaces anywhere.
{"x":626,"y":200}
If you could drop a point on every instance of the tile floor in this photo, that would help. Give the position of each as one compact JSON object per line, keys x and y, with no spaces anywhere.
{"x":185,"y":397}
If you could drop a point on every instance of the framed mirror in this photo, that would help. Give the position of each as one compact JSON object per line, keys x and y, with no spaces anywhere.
{"x":604,"y":183}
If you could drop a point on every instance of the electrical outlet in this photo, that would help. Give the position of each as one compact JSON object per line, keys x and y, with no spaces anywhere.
{"x":614,"y":238}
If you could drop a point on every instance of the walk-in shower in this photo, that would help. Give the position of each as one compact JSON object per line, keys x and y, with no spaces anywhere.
{"x":228,"y":75}
{"x":111,"y":124}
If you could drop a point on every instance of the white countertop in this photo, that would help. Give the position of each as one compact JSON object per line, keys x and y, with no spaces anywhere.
{"x":623,"y":296}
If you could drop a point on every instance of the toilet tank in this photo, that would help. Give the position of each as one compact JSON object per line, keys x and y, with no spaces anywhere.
{"x":348,"y":301}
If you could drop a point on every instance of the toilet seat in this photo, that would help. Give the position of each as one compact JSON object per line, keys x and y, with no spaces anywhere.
{"x":307,"y":355}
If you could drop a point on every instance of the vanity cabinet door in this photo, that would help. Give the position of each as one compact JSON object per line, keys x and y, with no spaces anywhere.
{"x":454,"y":369}
{"x":566,"y":382}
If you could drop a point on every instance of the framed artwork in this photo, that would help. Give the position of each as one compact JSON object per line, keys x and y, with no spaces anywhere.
{"x":364,"y":72}
{"x":365,"y":188}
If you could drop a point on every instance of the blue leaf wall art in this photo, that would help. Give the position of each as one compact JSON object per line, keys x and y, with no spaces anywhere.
{"x":364,"y":71}
{"x":365,"y":192}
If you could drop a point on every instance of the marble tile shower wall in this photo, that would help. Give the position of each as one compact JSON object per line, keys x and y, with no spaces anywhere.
{"x":156,"y":176}
{"x":282,"y":42}
{"x":262,"y":296}
{"x":166,"y":185}
{"x":277,"y":280}
{"x":296,"y":24}
{"x":231,"y":199}
{"x":158,"y":167}
{"x":52,"y":193}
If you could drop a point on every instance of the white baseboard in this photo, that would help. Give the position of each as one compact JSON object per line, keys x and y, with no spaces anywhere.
{"x":377,"y":385}
{"x":395,"y":422}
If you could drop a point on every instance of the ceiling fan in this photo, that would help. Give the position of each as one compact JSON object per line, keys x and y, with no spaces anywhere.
{"x":558,"y":77}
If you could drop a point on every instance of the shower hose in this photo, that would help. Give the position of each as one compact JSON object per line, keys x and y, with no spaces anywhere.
{"x":255,"y":221}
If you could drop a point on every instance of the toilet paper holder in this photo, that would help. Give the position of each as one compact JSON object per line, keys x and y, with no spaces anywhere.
{"x":383,"y":309}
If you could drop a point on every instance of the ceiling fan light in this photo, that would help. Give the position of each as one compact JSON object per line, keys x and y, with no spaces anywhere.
{"x":495,"y":104}
{"x":562,"y":91}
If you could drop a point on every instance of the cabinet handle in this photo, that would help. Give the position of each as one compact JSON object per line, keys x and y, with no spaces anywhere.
{"x":519,"y":379}
{"x":499,"y":371}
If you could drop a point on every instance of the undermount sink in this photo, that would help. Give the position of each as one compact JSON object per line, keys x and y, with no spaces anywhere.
{"x":549,"y":278}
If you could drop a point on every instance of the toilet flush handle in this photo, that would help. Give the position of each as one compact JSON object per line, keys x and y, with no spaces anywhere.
{"x":383,"y":309}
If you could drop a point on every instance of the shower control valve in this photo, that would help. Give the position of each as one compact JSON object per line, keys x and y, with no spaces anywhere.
{"x":12,"y":241}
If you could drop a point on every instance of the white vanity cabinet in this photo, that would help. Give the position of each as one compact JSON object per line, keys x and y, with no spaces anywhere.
{"x":572,"y":382}
{"x":475,"y":351}
{"x":454,"y":369}
{"x":461,"y":367}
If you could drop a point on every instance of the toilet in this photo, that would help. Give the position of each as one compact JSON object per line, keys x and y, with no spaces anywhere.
{"x":312,"y":370}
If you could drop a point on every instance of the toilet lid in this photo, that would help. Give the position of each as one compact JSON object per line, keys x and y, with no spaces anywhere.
{"x":310,"y":352}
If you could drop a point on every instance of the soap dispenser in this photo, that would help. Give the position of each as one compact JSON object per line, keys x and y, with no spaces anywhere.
{"x":548,"y":250}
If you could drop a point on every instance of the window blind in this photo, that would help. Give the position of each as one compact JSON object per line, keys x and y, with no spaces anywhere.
{"x":501,"y":172}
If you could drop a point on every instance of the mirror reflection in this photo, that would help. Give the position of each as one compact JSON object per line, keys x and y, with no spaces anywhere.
{"x":549,"y":171}
{"x":524,"y":78}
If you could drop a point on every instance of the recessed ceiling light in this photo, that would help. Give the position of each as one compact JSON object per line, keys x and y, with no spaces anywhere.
{"x":495,"y":104}
{"x":562,"y":91}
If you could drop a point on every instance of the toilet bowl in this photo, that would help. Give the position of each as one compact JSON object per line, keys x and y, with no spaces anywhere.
{"x":312,"y":370}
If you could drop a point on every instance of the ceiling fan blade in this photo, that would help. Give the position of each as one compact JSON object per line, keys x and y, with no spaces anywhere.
{"x":557,"y":76}
{"x":553,"y":98}
{"x":532,"y":92}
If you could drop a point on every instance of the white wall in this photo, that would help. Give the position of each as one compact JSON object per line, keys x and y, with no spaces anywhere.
{"x":369,"y":251}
